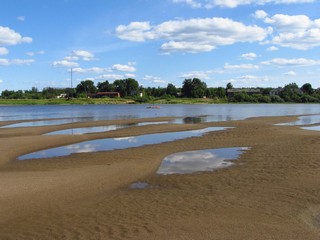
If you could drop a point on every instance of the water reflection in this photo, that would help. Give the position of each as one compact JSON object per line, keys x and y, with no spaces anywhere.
{"x":117,"y":143}
{"x":313,"y":128}
{"x":139,"y":185}
{"x":44,"y":123}
{"x":79,"y":131}
{"x":199,"y":161}
{"x":303,"y":120}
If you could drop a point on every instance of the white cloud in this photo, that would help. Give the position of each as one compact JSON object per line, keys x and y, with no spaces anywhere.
{"x":297,"y":31}
{"x":191,"y":3}
{"x":96,"y":70}
{"x":240,"y":66}
{"x":155,"y":80}
{"x":196,"y":74}
{"x":7,"y":62}
{"x":3,"y":51}
{"x":4,"y":62}
{"x":1,"y":81}
{"x":65,"y":63}
{"x":292,"y":62}
{"x":129,"y":75}
{"x":110,"y":77}
{"x":31,"y":54}
{"x":22,"y":61}
{"x":10,"y":37}
{"x":193,"y":35}
{"x":272,"y":49}
{"x":235,"y":3}
{"x":249,"y":56}
{"x":260,"y":14}
{"x":21,"y":18}
{"x":291,"y":73}
{"x":188,"y":47}
{"x":83,"y":55}
{"x":249,"y":80}
{"x":123,"y":68}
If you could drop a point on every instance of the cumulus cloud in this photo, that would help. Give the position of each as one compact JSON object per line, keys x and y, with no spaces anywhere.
{"x":124,"y":68}
{"x":196,"y":74}
{"x":83,"y":55}
{"x":291,"y":62}
{"x":240,"y":67}
{"x":272,"y":49}
{"x":31,"y":54}
{"x":71,"y":60}
{"x":193,"y":35}
{"x":296,"y":31}
{"x":260,"y":14}
{"x":10,"y":37}
{"x":155,"y":80}
{"x":290,"y":73}
{"x":114,"y":76}
{"x":249,"y":56}
{"x":3,"y":51}
{"x":96,"y":70}
{"x":235,"y":3}
{"x":249,"y":80}
{"x":191,"y":3}
{"x":7,"y":62}
{"x":65,"y":63}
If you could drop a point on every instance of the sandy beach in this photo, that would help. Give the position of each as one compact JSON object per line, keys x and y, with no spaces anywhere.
{"x":271,"y":192}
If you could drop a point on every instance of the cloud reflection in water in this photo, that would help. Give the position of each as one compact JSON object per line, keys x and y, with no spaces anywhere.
{"x":198,"y":161}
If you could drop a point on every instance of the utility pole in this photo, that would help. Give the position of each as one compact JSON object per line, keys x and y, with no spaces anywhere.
{"x":71,"y":90}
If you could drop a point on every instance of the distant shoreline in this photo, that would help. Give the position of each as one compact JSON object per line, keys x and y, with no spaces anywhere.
{"x":88,"y":101}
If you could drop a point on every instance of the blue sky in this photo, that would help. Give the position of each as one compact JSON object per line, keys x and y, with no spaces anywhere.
{"x":266,"y":43}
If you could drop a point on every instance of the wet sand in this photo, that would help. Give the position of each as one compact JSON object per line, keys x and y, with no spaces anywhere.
{"x":272,"y":192}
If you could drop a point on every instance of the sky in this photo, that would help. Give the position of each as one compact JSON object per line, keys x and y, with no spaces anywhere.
{"x":261,"y":43}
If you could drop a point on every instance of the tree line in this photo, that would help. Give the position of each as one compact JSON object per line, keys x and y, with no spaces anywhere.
{"x":191,"y":88}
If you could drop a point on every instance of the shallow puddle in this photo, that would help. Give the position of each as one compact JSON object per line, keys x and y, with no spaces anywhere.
{"x":43,"y":123}
{"x":199,"y":161}
{"x":117,"y":143}
{"x":139,"y":185}
{"x":312,"y":128}
{"x":79,"y":131}
{"x":303,"y":120}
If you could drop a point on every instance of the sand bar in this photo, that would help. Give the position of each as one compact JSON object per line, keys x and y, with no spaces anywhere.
{"x":273,"y":192}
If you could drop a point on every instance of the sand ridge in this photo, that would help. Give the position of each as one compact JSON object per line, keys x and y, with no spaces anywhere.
{"x":273,"y":192}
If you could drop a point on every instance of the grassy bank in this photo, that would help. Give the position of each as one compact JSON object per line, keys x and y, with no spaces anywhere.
{"x":107,"y":101}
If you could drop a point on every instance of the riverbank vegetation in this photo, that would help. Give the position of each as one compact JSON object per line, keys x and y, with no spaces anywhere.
{"x":128,"y":91}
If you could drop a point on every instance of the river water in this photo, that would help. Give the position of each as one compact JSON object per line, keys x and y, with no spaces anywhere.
{"x":211,"y":112}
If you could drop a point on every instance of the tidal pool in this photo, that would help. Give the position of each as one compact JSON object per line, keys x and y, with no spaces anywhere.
{"x":199,"y":161}
{"x":108,"y":144}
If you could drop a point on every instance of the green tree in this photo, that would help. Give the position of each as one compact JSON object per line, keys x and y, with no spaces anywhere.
{"x":171,"y":90}
{"x":187,"y":88}
{"x":105,"y":87}
{"x":307,"y":88}
{"x":229,"y":86}
{"x":86,"y":87}
{"x":127,"y":87}
{"x":291,"y":93}
{"x":194,"y":88}
{"x":198,"y":88}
